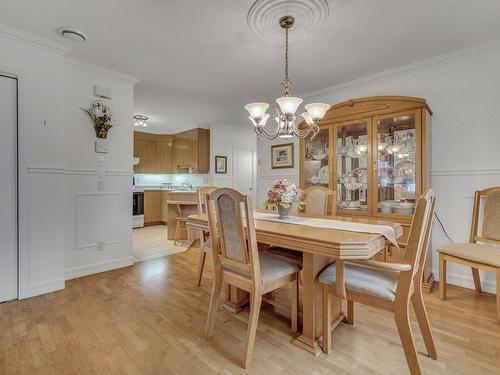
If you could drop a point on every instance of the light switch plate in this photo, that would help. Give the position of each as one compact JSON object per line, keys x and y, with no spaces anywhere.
{"x":100,"y":159}
{"x":101,"y":146}
{"x":100,"y":184}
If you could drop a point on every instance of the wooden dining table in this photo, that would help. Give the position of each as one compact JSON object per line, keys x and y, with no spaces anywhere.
{"x":320,"y":247}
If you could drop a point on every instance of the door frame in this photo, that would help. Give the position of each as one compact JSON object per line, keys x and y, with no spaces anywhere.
{"x":235,"y":149}
{"x":23,"y":187}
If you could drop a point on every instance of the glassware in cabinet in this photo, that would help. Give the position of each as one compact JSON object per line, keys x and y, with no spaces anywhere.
{"x":317,"y":160}
{"x":352,"y":172}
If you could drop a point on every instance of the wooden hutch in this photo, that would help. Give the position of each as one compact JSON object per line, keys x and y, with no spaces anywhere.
{"x":374,"y":153}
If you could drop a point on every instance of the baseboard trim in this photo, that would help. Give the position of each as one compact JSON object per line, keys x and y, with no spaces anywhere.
{"x":42,"y":287}
{"x":90,"y":269}
{"x":459,"y":279}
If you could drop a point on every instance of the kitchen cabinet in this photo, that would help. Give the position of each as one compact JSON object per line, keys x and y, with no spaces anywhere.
{"x":191,"y":151}
{"x":186,"y":152}
{"x":152,"y":207}
{"x":374,"y":153}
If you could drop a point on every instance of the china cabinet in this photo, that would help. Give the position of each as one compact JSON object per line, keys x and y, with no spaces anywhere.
{"x":374,"y":153}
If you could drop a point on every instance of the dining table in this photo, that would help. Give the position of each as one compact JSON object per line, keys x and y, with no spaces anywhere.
{"x":320,"y":246}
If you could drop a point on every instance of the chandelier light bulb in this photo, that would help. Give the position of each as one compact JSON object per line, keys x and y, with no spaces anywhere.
{"x":317,"y":110}
{"x":307,"y":117}
{"x":289,"y":104}
{"x":257,"y":110}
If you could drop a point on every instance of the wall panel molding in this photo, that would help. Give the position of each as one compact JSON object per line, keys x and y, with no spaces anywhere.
{"x":77,"y":172}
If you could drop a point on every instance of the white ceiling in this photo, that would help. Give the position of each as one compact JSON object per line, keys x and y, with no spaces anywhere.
{"x":199,"y":62}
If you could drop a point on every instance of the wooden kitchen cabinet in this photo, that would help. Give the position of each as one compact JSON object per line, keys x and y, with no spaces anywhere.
{"x":152,"y":207}
{"x":186,"y":152}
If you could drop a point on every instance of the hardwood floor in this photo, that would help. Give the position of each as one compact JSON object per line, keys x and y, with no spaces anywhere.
{"x":150,"y":319}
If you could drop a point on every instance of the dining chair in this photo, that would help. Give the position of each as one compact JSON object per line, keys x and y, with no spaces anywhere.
{"x":388,"y":286}
{"x":205,"y":243}
{"x":479,"y":256}
{"x":237,"y":261}
{"x":180,"y":225}
{"x":319,"y":201}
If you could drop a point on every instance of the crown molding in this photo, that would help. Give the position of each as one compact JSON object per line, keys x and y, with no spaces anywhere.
{"x":96,"y":69}
{"x":34,"y":40}
{"x":443,"y":59}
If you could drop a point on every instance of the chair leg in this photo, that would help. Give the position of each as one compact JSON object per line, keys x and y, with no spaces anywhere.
{"x":177,"y":232}
{"x":423,"y":322}
{"x":188,"y":234}
{"x":201,"y":265}
{"x":498,"y":294}
{"x":442,"y":277}
{"x":327,"y":319}
{"x":295,"y":304}
{"x":255,"y":302}
{"x":349,"y":319}
{"x":477,"y":279}
{"x":214,"y":302}
{"x":402,"y":318}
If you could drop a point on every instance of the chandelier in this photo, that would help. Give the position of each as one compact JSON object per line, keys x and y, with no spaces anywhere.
{"x":140,"y":121}
{"x":288,"y":105}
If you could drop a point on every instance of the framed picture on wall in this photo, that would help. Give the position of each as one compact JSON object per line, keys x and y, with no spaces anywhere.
{"x":282,"y":156}
{"x":220,"y":164}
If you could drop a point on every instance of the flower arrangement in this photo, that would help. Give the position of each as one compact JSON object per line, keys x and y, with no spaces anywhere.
{"x":100,"y":114}
{"x":284,"y":194}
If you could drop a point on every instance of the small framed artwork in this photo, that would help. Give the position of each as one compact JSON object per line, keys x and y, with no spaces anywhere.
{"x":220,"y":164}
{"x":282,"y":156}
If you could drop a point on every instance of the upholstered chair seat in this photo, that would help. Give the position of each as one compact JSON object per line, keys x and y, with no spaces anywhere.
{"x":271,"y":268}
{"x":481,"y":253}
{"x":364,"y":279}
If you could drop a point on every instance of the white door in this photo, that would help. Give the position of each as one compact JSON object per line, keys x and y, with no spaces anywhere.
{"x":8,"y":188}
{"x":243,"y":173}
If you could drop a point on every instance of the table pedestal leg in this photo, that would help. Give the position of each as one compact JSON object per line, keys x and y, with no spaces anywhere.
{"x":236,"y":299}
{"x":311,"y":297}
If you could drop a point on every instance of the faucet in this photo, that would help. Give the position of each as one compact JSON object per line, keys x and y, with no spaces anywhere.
{"x":166,"y":185}
{"x":188,"y":185}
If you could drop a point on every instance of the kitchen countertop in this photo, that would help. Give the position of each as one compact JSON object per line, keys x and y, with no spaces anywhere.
{"x":157,"y":188}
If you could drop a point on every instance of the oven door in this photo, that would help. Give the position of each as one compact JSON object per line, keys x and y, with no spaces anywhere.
{"x":138,"y":203}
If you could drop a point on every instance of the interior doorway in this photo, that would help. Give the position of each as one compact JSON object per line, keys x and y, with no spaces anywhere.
{"x":243,"y":171}
{"x":8,"y":189}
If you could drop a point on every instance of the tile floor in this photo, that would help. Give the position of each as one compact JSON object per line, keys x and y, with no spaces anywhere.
{"x":151,"y":242}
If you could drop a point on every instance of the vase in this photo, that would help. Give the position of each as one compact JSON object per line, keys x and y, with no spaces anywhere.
{"x":284,"y":212}
{"x":101,"y":131}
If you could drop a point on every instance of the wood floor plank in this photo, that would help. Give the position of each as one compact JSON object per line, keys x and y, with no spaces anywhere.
{"x":150,"y":319}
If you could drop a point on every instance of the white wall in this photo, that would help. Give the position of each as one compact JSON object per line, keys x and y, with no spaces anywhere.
{"x":39,"y":71}
{"x":57,"y":160}
{"x":93,"y":215}
{"x":463,"y":90}
{"x":223,"y":140}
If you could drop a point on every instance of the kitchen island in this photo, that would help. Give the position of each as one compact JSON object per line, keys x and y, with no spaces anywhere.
{"x":161,"y":206}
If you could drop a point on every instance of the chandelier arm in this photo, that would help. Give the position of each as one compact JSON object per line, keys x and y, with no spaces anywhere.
{"x":303,"y":133}
{"x":261,"y":130}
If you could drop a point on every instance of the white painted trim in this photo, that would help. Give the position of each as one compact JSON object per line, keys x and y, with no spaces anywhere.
{"x":34,"y":40}
{"x":466,"y":172}
{"x":96,"y":69}
{"x":446,"y":58}
{"x":90,"y":172}
{"x":43,"y":287}
{"x":90,"y":269}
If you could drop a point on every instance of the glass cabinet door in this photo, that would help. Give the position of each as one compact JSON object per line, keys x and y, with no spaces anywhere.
{"x":396,"y":145}
{"x":353,"y":154}
{"x":317,"y":160}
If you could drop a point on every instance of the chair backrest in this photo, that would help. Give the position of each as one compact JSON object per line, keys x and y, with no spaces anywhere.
{"x":230,"y":215}
{"x":319,"y":201}
{"x":491,"y":216}
{"x":202,"y":198}
{"x":418,"y":240}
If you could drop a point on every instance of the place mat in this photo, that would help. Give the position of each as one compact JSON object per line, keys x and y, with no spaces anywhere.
{"x":385,"y":230}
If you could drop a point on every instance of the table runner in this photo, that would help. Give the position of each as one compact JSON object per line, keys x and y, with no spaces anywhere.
{"x":385,"y":230}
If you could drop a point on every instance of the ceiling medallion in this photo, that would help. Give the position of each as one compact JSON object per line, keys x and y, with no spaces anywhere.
{"x":288,"y":105}
{"x":308,"y":15}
